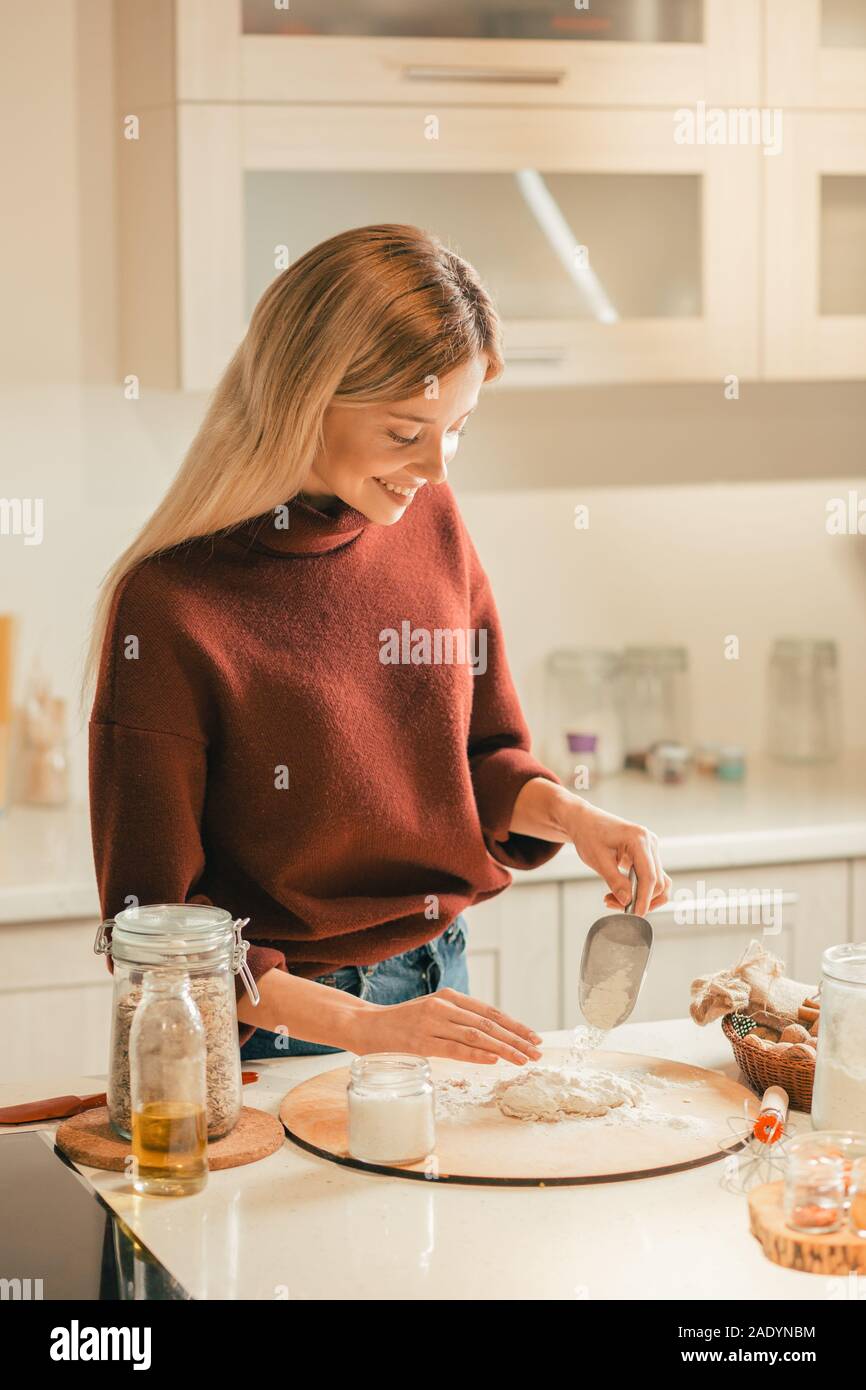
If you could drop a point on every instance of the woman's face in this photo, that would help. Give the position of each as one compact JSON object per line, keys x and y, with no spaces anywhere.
{"x":377,"y":457}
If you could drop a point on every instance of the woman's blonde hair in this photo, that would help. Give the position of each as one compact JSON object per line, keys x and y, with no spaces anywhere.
{"x":372,"y":314}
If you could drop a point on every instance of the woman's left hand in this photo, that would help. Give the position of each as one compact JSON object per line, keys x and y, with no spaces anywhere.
{"x":605,"y":843}
{"x":611,"y":847}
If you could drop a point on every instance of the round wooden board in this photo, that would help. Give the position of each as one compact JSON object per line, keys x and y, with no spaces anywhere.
{"x":837,"y":1252}
{"x":88,"y":1138}
{"x":485,"y":1146}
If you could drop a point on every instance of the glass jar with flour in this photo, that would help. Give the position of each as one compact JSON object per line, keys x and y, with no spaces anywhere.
{"x":391,"y":1108}
{"x":839,"y":1091}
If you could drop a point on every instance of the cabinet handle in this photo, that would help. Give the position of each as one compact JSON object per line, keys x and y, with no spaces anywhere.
{"x":534,"y":357}
{"x":532,"y":77}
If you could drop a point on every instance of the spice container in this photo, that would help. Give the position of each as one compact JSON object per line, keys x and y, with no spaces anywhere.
{"x":815,"y":1189}
{"x":819,"y":1180}
{"x":668,"y":762}
{"x":168,"y":1083}
{"x":804,"y":701}
{"x":839,"y":1092}
{"x":582,"y":697}
{"x":584,"y":754}
{"x":655,"y":682}
{"x":206,"y":943}
{"x":391,"y":1108}
{"x":731,"y":764}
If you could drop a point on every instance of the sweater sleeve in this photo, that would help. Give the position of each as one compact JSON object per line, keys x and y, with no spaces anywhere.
{"x":499,"y":742}
{"x":147,"y":779}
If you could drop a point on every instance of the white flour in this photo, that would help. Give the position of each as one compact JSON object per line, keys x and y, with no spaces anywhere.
{"x":613,"y":982}
{"x":548,"y":1095}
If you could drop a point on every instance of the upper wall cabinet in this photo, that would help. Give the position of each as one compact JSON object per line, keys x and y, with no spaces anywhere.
{"x":620,"y":253}
{"x":547,"y":52}
{"x":814,"y":286}
{"x":816,"y":54}
{"x":542,"y":139}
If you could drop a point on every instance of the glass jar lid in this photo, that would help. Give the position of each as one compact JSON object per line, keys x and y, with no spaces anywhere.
{"x":196,"y":934}
{"x":390,"y":1073}
{"x":656,"y":658}
{"x":805,"y":651}
{"x":173,"y":929}
{"x":846,"y":962}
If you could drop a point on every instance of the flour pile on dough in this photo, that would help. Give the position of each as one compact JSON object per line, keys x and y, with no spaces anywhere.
{"x":550,"y":1093}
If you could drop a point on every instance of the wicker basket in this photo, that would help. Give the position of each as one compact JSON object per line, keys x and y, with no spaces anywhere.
{"x":762,"y":1069}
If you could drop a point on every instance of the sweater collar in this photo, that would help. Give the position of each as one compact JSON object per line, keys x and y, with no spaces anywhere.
{"x":297,"y":528}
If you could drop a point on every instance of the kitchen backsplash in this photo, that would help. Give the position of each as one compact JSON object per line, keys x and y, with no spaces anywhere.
{"x":687,"y":564}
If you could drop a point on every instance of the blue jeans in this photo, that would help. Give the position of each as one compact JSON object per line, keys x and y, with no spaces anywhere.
{"x":440,"y":964}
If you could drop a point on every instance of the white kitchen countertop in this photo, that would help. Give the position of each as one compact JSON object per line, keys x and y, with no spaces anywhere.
{"x":780,"y":814}
{"x":295,"y":1226}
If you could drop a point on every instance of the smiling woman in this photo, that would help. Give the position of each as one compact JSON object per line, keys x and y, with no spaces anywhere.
{"x":251,"y":749}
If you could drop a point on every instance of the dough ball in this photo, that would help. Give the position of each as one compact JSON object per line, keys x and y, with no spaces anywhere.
{"x":551,"y":1094}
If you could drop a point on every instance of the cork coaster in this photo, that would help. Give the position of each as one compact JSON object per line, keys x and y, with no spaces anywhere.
{"x":837,"y":1252}
{"x":88,"y":1138}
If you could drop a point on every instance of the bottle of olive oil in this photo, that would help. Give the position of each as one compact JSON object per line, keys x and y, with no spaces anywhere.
{"x":168,"y":1082}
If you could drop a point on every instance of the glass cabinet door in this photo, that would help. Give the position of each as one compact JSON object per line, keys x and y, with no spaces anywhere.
{"x":842,"y":269}
{"x":635,"y":238}
{"x":816,"y":54}
{"x":594,"y":52}
{"x":630,"y":21}
{"x":613,"y":253}
{"x":815,"y":248}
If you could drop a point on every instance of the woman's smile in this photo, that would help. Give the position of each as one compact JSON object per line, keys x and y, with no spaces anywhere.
{"x":401,"y":492}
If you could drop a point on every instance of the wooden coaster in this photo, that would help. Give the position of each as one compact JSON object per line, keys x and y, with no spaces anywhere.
{"x":88,"y":1138}
{"x":837,"y":1252}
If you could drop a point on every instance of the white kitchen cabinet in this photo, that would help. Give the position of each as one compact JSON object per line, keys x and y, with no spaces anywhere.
{"x":815,"y":244}
{"x":814,"y":915}
{"x":532,"y":52}
{"x":816,"y":54}
{"x":514,"y":953}
{"x":55,"y":1001}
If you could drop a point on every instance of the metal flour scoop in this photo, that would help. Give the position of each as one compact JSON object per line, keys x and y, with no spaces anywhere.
{"x":613,"y":965}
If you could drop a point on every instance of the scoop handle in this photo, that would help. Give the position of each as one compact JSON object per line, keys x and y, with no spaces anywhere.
{"x":632,"y":902}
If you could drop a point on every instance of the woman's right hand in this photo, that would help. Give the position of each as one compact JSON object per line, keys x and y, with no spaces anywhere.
{"x":445,"y":1024}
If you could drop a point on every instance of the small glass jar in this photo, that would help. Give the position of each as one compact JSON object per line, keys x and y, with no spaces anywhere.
{"x":804,"y":714}
{"x":839,"y":1088}
{"x":392,"y":1116}
{"x":207,"y":944}
{"x":655,"y":685}
{"x":820,"y":1179}
{"x":168,"y":1085}
{"x":582,"y":698}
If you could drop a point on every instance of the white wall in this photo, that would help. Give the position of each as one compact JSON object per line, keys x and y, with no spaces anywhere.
{"x":688,"y":565}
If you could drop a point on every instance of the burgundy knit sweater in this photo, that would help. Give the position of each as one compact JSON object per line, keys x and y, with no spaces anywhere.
{"x":288,"y":724}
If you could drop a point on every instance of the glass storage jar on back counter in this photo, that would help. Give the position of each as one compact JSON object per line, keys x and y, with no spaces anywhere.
{"x":206,"y":942}
{"x":655,"y":700}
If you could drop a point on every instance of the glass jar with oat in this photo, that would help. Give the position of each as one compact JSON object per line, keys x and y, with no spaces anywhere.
{"x":206,"y":943}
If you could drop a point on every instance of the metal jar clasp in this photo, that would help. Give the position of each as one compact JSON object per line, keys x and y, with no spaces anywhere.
{"x":239,"y":960}
{"x":102,"y":944}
